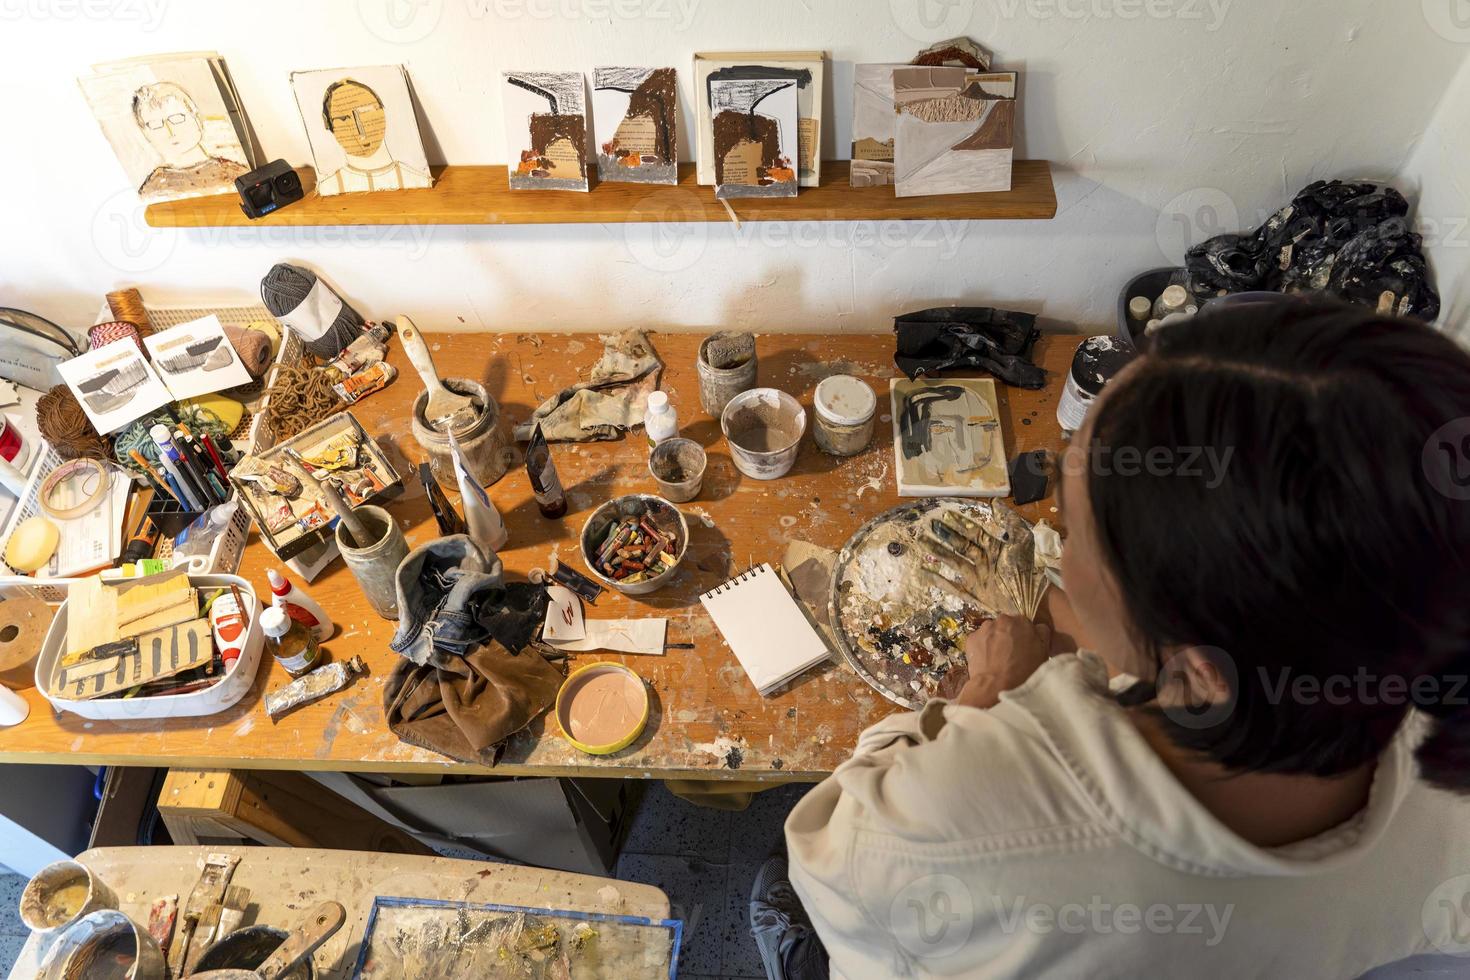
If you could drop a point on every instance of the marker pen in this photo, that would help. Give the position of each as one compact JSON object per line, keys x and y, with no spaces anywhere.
{"x":203,"y":468}
{"x":172,"y":465}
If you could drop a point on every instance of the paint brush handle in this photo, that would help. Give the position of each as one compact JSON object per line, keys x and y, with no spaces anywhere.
{"x":355,"y":527}
{"x":418,"y":352}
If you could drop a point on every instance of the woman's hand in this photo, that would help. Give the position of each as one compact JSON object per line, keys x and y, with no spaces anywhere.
{"x":1002,"y":654}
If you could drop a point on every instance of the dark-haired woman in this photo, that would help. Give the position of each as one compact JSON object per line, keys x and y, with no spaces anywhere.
{"x":1280,"y":798}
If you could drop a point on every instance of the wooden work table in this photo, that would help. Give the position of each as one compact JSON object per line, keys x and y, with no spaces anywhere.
{"x":707,"y":720}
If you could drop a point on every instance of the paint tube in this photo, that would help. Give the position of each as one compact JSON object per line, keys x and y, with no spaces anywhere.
{"x":313,"y":687}
{"x":485,"y":526}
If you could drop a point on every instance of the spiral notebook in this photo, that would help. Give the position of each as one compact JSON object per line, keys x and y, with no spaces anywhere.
{"x":770,"y":635}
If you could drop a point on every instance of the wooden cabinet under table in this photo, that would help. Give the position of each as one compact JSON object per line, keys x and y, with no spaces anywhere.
{"x":707,"y":721}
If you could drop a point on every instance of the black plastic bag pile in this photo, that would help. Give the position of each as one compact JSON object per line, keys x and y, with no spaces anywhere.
{"x":944,"y":337}
{"x":1347,"y":238}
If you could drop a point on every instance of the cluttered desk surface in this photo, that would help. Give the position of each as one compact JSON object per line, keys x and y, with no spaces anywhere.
{"x":706,"y":718}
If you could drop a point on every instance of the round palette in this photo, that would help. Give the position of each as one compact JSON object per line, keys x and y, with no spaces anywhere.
{"x":901,"y":616}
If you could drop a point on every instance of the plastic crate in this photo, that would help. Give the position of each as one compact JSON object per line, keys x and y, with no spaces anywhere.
{"x":252,"y":435}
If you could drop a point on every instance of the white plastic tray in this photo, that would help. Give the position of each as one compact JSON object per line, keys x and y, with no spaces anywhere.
{"x":231,"y":687}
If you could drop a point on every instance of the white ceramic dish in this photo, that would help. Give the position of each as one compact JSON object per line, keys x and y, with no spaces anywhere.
{"x":230,"y":689}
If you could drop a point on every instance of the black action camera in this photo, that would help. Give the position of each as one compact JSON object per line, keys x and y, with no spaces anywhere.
{"x":270,"y":187}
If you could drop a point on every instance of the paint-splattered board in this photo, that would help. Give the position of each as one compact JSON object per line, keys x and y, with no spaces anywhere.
{"x":283,"y":881}
{"x":707,"y":719}
{"x":899,"y":622}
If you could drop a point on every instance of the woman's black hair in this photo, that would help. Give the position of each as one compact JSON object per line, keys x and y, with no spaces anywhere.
{"x":1320,"y":540}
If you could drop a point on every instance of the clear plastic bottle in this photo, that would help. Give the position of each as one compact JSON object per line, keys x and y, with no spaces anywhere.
{"x":198,"y":538}
{"x":660,"y":421}
{"x":292,"y":644}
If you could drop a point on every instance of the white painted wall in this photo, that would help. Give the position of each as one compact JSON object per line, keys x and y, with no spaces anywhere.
{"x":1436,"y":175}
{"x":1164,"y":119}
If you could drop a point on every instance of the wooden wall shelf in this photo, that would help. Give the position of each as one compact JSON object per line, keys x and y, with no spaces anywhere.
{"x":480,"y":196}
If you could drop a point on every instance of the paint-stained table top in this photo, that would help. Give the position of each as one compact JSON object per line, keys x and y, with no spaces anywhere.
{"x":707,"y":721}
{"x":286,"y":882}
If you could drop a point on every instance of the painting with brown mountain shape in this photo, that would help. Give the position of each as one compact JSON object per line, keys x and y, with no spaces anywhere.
{"x":754,"y":122}
{"x":546,"y":130}
{"x":633,"y":119}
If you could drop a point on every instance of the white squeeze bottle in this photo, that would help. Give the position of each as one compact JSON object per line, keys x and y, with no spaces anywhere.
{"x":480,"y":516}
{"x":660,"y":422}
{"x":299,"y":606}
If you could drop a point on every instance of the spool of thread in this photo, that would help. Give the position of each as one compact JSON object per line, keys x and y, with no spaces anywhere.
{"x":127,"y":305}
{"x":311,"y":309}
{"x":66,"y":427}
{"x":23,"y":625}
{"x":253,"y":347}
{"x":111,"y":332}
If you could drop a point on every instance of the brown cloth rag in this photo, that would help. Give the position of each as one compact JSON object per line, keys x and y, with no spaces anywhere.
{"x":468,"y":708}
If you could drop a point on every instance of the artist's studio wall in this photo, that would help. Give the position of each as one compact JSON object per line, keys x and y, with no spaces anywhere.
{"x":1165,"y":121}
{"x":1438,"y":174}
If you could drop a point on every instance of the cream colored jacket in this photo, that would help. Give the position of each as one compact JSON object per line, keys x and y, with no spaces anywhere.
{"x":1044,"y":838}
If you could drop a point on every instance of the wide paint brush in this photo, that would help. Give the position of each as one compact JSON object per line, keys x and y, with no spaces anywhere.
{"x":444,"y":410}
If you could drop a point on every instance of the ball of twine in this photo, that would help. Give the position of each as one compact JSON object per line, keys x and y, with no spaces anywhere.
{"x":299,"y":397}
{"x":283,"y":289}
{"x":66,"y":427}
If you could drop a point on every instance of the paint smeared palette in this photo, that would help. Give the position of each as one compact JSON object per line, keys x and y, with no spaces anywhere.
{"x":914,"y":582}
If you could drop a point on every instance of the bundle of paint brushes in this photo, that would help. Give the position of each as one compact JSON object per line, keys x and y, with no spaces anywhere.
{"x":634,"y":550}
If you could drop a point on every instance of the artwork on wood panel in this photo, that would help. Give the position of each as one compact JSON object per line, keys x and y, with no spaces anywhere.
{"x":947,"y":438}
{"x":633,"y":117}
{"x":754,"y":123}
{"x":955,"y":130}
{"x":362,"y":128}
{"x":546,"y":130}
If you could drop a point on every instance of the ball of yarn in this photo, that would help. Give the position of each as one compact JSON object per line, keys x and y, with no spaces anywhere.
{"x":253,"y":347}
{"x":66,"y":427}
{"x":282,"y":291}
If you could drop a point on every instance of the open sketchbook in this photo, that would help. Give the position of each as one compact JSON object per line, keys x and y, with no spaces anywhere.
{"x":766,"y":629}
{"x":175,"y":123}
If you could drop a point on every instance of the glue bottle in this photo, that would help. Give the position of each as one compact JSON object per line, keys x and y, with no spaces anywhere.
{"x":660,"y":421}
{"x":290,"y":642}
{"x":299,"y":606}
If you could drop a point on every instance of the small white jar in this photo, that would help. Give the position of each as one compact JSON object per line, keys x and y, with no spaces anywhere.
{"x":844,"y":411}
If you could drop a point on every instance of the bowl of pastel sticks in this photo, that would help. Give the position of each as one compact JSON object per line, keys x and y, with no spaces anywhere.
{"x":635,"y":543}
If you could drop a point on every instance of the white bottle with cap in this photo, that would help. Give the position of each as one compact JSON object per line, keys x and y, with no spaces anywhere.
{"x":1173,"y":300}
{"x":299,"y":606}
{"x":660,"y":421}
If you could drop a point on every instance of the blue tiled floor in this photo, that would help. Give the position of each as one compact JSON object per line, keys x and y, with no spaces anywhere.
{"x":705,"y":860}
{"x":12,"y":931}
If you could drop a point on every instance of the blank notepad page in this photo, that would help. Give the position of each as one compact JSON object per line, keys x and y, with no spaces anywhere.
{"x":770,"y":635}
